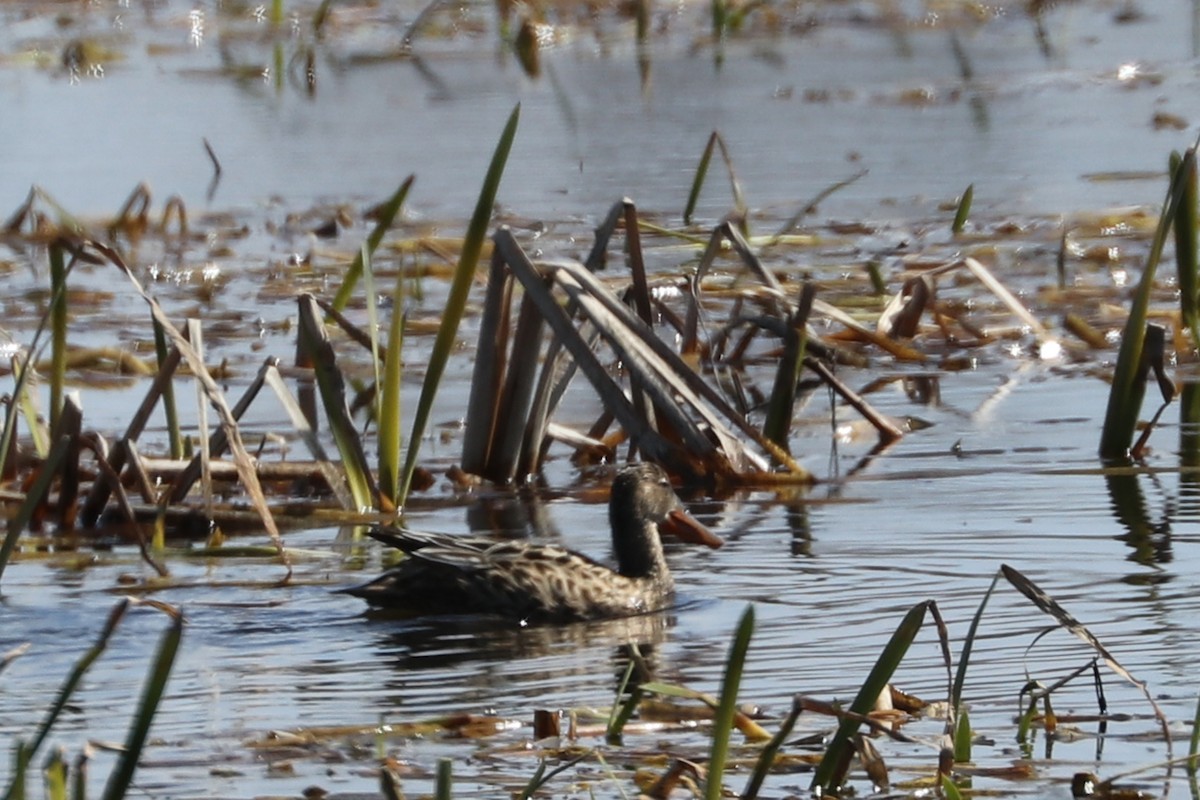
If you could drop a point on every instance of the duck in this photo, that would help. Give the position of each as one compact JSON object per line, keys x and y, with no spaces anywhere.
{"x":527,"y":582}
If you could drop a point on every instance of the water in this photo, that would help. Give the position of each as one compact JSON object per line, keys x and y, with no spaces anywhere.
{"x":1004,"y":474}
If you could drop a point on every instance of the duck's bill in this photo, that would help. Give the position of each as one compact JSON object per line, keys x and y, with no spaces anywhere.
{"x":686,"y":528}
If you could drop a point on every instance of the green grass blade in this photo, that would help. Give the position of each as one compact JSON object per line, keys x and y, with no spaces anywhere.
{"x":156,"y":684}
{"x":701,"y":173}
{"x":964,"y":210}
{"x":1129,"y":387}
{"x":962,"y":737}
{"x":949,"y":789}
{"x":960,"y":675}
{"x":778,"y":424}
{"x":16,"y":788}
{"x":387,"y":213}
{"x":389,"y":400}
{"x":832,"y":770}
{"x":332,"y":388}
{"x":54,"y":773}
{"x":723,"y":719}
{"x":621,"y":713}
{"x":456,"y":302}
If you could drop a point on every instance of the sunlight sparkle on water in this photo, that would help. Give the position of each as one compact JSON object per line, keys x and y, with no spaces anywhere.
{"x":1050,"y":350}
{"x":1127,"y":72}
{"x":196,"y":25}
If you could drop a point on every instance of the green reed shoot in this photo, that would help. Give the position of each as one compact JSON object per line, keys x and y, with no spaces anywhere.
{"x":783,"y":393}
{"x":156,"y":683}
{"x":962,"y":736}
{"x":54,"y":775}
{"x":456,"y":301}
{"x":739,"y":202}
{"x":443,"y":782}
{"x":723,"y":719}
{"x":58,"y":327}
{"x":1129,"y":385}
{"x":384,"y":218}
{"x":1185,"y":248}
{"x":964,"y":210}
{"x":831,"y":772}
{"x":1186,"y":257}
{"x":388,"y":412}
{"x":621,"y":713}
{"x":949,"y":789}
{"x":332,"y":388}
{"x":962,"y":740}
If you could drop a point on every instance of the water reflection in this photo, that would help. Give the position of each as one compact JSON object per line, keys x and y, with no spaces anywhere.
{"x":517,"y":515}
{"x":1149,"y":541}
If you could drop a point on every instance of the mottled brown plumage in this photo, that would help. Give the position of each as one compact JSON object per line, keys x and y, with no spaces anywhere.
{"x":447,"y":574}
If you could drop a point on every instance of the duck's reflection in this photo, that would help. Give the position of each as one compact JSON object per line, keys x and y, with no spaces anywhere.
{"x":457,"y":663}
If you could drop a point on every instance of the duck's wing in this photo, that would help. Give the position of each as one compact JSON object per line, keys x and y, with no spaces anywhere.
{"x":480,"y":554}
{"x":411,"y":541}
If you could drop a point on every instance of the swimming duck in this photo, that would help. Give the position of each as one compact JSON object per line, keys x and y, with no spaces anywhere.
{"x":446,"y":574}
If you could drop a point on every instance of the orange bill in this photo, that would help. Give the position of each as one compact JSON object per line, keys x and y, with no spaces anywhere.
{"x":686,"y":528}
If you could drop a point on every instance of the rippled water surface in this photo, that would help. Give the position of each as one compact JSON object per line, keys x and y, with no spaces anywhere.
{"x":1000,"y":467}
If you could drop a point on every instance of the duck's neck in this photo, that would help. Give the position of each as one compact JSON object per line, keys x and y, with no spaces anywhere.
{"x":637,"y":546}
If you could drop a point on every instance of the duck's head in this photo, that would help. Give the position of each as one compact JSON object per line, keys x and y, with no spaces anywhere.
{"x":643,"y":500}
